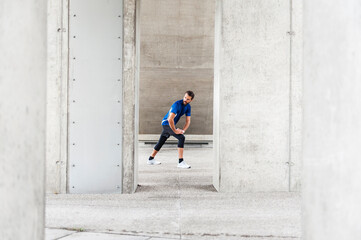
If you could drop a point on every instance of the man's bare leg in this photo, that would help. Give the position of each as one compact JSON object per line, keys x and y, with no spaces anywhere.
{"x":154,"y":153}
{"x":151,"y":160}
{"x":180,"y":152}
{"x":181,"y":163}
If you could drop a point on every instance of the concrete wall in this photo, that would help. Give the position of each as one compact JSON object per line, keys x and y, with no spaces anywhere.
{"x":257,"y":94}
{"x":332,"y":120}
{"x":176,"y":55}
{"x":22,"y":118}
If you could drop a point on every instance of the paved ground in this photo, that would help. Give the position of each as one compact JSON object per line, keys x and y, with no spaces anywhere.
{"x":173,"y":203}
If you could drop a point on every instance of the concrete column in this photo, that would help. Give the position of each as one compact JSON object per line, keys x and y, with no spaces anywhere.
{"x":57,"y":92}
{"x":332,"y":120}
{"x":257,"y":95}
{"x":22,"y":118}
{"x":129,"y":90}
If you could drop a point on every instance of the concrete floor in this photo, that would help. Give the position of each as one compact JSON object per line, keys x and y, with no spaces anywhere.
{"x":173,"y":203}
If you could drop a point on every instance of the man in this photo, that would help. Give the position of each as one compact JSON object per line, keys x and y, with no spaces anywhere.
{"x":178,"y":109}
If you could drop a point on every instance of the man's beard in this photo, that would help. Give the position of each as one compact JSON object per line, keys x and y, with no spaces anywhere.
{"x":185,"y":103}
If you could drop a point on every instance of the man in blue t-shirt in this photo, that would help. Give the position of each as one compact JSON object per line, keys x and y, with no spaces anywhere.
{"x":178,"y":109}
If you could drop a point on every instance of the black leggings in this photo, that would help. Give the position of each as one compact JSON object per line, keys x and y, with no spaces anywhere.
{"x":167,"y":131}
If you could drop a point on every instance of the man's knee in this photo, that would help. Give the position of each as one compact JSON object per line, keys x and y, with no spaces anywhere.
{"x":181,"y":140}
{"x":160,"y":143}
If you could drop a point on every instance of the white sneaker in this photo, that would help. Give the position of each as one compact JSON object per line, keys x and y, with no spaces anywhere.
{"x":183,"y":164}
{"x":153,"y":162}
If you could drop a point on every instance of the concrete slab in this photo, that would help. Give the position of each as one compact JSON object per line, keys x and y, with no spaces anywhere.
{"x":259,"y":215}
{"x":52,"y":234}
{"x":173,"y":203}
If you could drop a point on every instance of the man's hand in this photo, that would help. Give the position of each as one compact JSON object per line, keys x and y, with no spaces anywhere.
{"x":179,"y":131}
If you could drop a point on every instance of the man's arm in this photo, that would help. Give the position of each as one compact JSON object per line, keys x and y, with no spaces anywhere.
{"x":188,"y":122}
{"x":171,"y":124}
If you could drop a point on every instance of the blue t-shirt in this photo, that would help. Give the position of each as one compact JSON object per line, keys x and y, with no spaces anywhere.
{"x":179,"y":109}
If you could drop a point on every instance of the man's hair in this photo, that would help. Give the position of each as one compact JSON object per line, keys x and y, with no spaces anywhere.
{"x":190,"y":93}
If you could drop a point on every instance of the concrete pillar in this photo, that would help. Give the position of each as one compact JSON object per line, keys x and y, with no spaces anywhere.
{"x":257,"y":95}
{"x":57,"y":92}
{"x":22,"y":118}
{"x":332,"y":120}
{"x":129,"y":97}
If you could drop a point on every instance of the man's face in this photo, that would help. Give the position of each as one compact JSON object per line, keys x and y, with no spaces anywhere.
{"x":186,"y":99}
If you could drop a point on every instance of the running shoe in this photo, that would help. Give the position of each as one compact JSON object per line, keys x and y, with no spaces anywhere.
{"x":183,"y":164}
{"x":153,"y":162}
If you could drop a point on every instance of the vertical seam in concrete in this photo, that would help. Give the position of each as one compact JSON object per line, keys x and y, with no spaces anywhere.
{"x":219,"y":95}
{"x":67,"y":100}
{"x":123,"y":84}
{"x":131,"y":184}
{"x":64,"y":77}
{"x":121,"y":132}
{"x":62,"y":186}
{"x":61,"y":97}
{"x":290,"y":105}
{"x":44,"y":130}
{"x":216,"y":93}
{"x":137,"y":74}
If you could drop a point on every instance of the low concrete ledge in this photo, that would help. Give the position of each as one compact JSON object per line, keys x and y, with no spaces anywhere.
{"x":194,"y":140}
{"x":190,"y":139}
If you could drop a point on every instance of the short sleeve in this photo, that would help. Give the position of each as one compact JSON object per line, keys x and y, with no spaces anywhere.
{"x":174,"y":108}
{"x":188,"y":112}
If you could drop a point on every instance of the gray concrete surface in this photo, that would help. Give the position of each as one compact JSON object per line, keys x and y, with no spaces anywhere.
{"x":57,"y":94}
{"x":256,"y":141}
{"x":176,"y":55}
{"x":295,"y":112}
{"x":173,"y":203}
{"x":58,"y":233}
{"x":332,"y":117}
{"x":22,"y":119}
{"x":129,"y":95}
{"x":57,"y":110}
